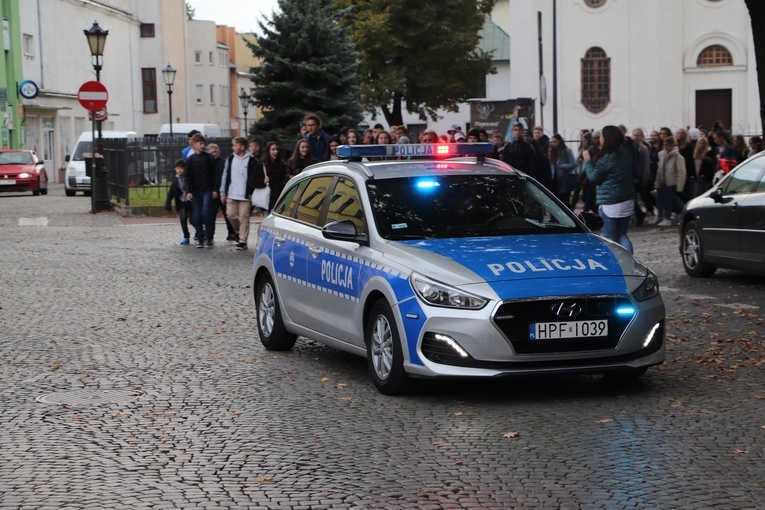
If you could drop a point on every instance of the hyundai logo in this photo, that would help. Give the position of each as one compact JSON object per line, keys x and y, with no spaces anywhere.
{"x":567,"y":309}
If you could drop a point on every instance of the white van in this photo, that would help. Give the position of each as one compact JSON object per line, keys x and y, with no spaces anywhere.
{"x":76,"y":180}
{"x":181,"y":130}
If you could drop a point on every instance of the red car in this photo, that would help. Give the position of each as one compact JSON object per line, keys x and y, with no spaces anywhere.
{"x":22,"y":170}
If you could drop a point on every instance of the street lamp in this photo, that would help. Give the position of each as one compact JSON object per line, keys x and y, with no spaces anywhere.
{"x":168,"y":74}
{"x":96,"y":41}
{"x":244,"y":98}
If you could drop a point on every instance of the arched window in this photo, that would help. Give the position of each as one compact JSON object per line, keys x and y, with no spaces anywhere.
{"x":596,"y":80}
{"x":714,"y":56}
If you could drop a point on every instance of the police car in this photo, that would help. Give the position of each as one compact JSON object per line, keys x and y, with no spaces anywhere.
{"x":432,"y":263}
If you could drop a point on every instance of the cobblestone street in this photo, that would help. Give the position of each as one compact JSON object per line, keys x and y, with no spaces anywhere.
{"x":132,"y":377}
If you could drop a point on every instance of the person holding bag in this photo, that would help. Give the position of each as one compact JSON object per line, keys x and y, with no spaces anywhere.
{"x":237,"y":184}
{"x":273,"y":171}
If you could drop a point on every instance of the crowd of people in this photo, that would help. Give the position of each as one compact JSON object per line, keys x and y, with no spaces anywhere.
{"x":612,"y":173}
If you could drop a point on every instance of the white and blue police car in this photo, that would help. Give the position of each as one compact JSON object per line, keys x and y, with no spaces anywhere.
{"x":433,"y":260}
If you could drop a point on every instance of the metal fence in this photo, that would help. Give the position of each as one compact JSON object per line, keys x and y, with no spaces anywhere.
{"x":146,"y":165}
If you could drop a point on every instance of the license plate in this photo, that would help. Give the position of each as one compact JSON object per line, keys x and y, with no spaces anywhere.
{"x":570,"y":329}
{"x":83,"y":180}
{"x":7,"y":182}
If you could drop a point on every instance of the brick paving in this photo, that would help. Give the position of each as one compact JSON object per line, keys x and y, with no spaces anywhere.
{"x":132,"y":377}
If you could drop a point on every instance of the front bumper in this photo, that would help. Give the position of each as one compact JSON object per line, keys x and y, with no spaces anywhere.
{"x":486,"y":347}
{"x":77,"y":182}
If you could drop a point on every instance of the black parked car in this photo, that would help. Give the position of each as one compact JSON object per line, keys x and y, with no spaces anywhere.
{"x":725,"y":227}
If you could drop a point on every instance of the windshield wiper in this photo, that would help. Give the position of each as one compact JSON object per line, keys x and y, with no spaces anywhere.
{"x":401,"y":237}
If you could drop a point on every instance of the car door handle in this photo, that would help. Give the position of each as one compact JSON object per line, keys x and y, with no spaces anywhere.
{"x":279,"y":240}
{"x":315,"y":250}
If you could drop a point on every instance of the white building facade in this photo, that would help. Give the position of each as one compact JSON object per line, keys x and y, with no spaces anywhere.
{"x":641,"y":63}
{"x":144,"y":36}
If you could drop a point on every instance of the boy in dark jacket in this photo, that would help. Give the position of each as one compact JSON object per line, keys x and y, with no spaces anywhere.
{"x":200,"y":177}
{"x":178,"y":190}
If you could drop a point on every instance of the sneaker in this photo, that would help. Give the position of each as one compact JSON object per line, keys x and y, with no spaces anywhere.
{"x":209,"y":243}
{"x":241,"y":246}
{"x":200,"y":243}
{"x":231,"y":237}
{"x":664,"y":223}
{"x":185,"y":241}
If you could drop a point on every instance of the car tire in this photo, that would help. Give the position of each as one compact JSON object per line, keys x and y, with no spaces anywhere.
{"x":385,"y":357}
{"x":70,"y":192}
{"x":273,"y":335}
{"x":44,"y":191}
{"x":693,"y":253}
{"x":35,"y":192}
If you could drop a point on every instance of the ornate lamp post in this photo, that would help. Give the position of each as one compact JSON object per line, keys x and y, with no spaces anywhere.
{"x":244,"y":99}
{"x":168,"y":74}
{"x":96,"y":41}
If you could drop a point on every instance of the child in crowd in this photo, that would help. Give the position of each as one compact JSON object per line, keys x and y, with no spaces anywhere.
{"x":178,"y":190}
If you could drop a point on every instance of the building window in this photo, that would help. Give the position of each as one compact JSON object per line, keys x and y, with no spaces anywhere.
{"x":147,"y":29}
{"x":212,"y":58}
{"x":198,"y":58}
{"x":212,"y":94}
{"x":714,"y":56}
{"x":149,"y":79}
{"x":200,"y":94}
{"x":29,"y":45}
{"x":596,"y":80}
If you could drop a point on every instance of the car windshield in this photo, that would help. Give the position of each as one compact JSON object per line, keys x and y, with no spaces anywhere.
{"x":448,"y":206}
{"x":83,"y":147}
{"x":16,"y":158}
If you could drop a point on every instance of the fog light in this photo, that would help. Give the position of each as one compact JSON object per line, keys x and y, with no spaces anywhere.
{"x":452,"y":343}
{"x":649,"y":337}
{"x":625,"y":311}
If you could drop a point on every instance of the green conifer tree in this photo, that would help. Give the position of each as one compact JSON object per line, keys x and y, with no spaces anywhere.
{"x":308,"y":64}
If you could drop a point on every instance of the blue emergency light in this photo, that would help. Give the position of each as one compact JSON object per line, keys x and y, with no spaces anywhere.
{"x":431,"y":150}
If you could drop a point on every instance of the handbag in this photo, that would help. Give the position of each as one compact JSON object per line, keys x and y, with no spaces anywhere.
{"x":261,"y":197}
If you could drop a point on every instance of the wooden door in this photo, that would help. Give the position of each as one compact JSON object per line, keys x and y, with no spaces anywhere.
{"x":712,"y":105}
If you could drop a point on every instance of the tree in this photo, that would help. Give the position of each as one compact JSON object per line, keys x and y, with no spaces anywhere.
{"x":757,"y":15}
{"x":423,"y":56}
{"x":308,"y":64}
{"x":190,"y":11}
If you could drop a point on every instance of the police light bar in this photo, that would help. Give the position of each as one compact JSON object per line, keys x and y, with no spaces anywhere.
{"x":433,"y":150}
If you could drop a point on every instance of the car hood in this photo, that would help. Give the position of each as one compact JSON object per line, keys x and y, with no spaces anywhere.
{"x":528,"y":265}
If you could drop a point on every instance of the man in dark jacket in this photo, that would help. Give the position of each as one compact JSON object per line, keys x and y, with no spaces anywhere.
{"x":200,"y":170}
{"x":519,"y":154}
{"x":317,"y":139}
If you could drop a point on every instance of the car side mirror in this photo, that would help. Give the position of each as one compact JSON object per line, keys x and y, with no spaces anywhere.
{"x":343,"y":231}
{"x":717,"y":195}
{"x":592,"y":220}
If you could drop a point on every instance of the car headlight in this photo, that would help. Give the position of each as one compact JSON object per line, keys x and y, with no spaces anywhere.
{"x":72,"y":171}
{"x":24,"y":175}
{"x":649,"y":289}
{"x":438,"y":294}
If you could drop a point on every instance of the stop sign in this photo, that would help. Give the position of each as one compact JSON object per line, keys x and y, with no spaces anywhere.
{"x":93,"y":96}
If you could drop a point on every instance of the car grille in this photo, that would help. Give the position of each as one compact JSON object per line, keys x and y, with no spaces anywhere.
{"x":514,"y":318}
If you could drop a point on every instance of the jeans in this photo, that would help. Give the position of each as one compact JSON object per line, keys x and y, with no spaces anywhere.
{"x":615,"y":229}
{"x":183,"y":214}
{"x":666,"y":199}
{"x":203,"y":215}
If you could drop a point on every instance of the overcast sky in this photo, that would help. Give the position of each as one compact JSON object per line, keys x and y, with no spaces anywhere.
{"x":243,"y":15}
